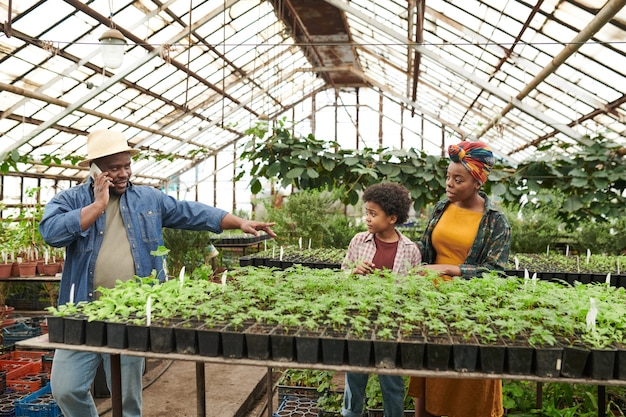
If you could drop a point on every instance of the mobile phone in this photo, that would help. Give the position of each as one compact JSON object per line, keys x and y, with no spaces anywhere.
{"x":95,"y":169}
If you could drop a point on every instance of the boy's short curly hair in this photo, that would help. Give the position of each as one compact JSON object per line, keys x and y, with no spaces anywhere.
{"x":393,"y":198}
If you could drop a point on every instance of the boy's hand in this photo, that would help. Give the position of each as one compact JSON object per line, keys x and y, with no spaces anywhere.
{"x":365,"y":267}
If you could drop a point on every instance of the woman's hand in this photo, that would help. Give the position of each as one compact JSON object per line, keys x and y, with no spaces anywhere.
{"x":445,"y":269}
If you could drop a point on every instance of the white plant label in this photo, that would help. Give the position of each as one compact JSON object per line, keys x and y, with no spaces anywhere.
{"x":224,"y":280}
{"x":149,"y":310}
{"x":181,"y":276}
{"x":591,"y":315}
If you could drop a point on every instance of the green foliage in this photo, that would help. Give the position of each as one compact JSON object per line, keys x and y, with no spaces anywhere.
{"x":591,"y":178}
{"x":13,"y":158}
{"x":374,"y":395}
{"x":559,"y":400}
{"x":608,"y":237}
{"x":315,"y":215}
{"x":313,"y":378}
{"x":538,"y":224}
{"x":324,"y":297}
{"x":310,"y":163}
{"x":187,"y":248}
{"x":535,"y":225}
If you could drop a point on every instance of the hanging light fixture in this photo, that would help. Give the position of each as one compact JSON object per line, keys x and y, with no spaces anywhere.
{"x":113,"y":45}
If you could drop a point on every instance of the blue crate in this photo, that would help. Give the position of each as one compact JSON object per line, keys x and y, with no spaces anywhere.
{"x":27,"y":407}
{"x":17,"y":332}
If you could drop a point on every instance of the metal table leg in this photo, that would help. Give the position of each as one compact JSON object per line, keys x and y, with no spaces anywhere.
{"x":116,"y":385}
{"x":200,"y":390}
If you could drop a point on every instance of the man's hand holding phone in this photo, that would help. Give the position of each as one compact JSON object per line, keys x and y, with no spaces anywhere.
{"x":102,"y":183}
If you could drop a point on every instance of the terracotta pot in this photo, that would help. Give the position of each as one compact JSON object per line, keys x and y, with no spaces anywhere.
{"x":27,"y":269}
{"x":15,"y":271}
{"x":5,"y":270}
{"x":50,"y":269}
{"x":6,"y":311}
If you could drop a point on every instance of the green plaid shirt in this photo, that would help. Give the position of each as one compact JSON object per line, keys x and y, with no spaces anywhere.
{"x":490,"y":250}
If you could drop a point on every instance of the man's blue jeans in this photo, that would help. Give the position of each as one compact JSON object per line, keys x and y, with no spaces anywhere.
{"x":392,"y":387}
{"x":73,"y":373}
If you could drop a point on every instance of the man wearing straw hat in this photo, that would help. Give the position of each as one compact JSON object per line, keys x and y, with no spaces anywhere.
{"x":109,"y":227}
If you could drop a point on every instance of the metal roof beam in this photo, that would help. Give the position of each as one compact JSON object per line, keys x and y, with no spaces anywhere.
{"x":602,"y":18}
{"x":484,"y":84}
{"x":409,"y":102}
{"x":155,"y":52}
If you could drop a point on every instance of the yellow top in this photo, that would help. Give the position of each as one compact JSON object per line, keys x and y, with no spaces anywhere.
{"x":452,"y":239}
{"x":454,"y":234}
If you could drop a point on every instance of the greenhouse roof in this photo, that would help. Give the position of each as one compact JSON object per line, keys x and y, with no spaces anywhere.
{"x":197,"y":74}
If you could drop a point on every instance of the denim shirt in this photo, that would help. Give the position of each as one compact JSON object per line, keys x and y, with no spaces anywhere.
{"x":145,"y":211}
{"x":491,"y":247}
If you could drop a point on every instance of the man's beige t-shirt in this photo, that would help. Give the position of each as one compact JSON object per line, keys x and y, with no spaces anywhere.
{"x":115,"y":260}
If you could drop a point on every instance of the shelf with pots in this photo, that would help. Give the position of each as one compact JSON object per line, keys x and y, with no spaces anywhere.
{"x":412,"y":314}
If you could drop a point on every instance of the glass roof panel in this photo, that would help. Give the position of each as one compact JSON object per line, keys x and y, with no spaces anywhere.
{"x":476,"y":57}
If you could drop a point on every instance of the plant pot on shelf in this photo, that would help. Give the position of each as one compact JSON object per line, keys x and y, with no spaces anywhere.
{"x":283,"y":344}
{"x":620,"y":362}
{"x":210,"y":339}
{"x":491,"y":357}
{"x":56,"y":332}
{"x":27,"y":269}
{"x":15,"y":271}
{"x":117,"y":336}
{"x":308,"y":346}
{"x":385,"y":352}
{"x":574,"y":361}
{"x":258,"y":341}
{"x":333,"y":347}
{"x":162,"y":336}
{"x":548,"y":361}
{"x":186,"y":334}
{"x":519,"y":357}
{"x":234,"y":341}
{"x":50,"y":269}
{"x":411,"y":351}
{"x":5,"y":270}
{"x":464,"y":354}
{"x":360,"y":350}
{"x":138,"y":337}
{"x":96,"y":333}
{"x":438,"y":352}
{"x":601,"y":363}
{"x":74,"y":330}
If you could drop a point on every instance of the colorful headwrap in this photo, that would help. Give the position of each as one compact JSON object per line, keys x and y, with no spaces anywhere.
{"x":475,"y":156}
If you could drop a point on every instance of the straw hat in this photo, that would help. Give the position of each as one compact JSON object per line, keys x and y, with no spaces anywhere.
{"x":104,"y":143}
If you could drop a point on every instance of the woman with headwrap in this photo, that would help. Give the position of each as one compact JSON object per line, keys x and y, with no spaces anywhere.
{"x":466,"y":236}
